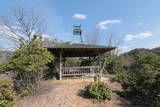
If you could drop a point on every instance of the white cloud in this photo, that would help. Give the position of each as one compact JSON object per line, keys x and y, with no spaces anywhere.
{"x":79,"y":16}
{"x":106,"y":23}
{"x":45,"y":37}
{"x":122,"y":49}
{"x":140,"y":35}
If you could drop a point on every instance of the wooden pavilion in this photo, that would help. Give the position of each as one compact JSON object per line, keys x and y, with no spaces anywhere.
{"x":78,"y":50}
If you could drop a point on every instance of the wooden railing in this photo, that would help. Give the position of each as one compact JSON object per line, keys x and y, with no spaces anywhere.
{"x":85,"y":70}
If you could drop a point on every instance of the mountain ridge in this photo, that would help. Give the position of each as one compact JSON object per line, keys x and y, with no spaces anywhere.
{"x":130,"y":56}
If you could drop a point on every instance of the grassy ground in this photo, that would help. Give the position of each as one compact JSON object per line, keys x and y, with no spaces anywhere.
{"x":69,"y":93}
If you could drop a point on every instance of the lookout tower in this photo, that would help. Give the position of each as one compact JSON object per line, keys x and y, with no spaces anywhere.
{"x":78,"y":31}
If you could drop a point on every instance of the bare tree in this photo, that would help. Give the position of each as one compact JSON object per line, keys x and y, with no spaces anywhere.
{"x":93,"y":37}
{"x":21,"y":26}
{"x":115,"y":41}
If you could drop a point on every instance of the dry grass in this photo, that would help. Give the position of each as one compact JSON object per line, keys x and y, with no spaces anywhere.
{"x":5,"y":77}
{"x":66,"y":93}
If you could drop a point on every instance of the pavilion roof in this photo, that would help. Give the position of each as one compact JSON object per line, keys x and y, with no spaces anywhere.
{"x":78,"y":50}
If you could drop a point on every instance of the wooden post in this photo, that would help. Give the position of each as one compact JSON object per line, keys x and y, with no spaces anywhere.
{"x":60,"y":66}
{"x":100,"y":66}
{"x":64,"y":62}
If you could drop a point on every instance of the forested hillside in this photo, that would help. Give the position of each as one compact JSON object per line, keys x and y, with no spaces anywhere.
{"x":132,"y":55}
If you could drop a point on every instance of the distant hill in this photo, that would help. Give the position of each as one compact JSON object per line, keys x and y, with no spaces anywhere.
{"x":156,"y":51}
{"x":5,"y":56}
{"x":133,"y":54}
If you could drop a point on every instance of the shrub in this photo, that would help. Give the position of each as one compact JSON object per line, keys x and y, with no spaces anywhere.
{"x":99,"y":90}
{"x":143,"y":80}
{"x":113,"y":64}
{"x":25,"y":92}
{"x":7,"y":94}
{"x":28,"y":64}
{"x":97,"y":78}
{"x":119,"y":76}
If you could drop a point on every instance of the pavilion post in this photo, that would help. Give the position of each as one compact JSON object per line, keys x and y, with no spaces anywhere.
{"x":60,"y":66}
{"x":99,"y":56}
{"x":64,"y":62}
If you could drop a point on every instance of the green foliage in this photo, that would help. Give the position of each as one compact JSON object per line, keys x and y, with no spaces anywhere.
{"x":98,"y":90}
{"x":72,"y":62}
{"x":25,"y":92}
{"x":30,"y":58}
{"x":3,"y":68}
{"x":90,"y":61}
{"x":113,"y":63}
{"x":97,"y":78}
{"x":118,"y":77}
{"x":143,"y":80}
{"x":7,"y":94}
{"x":28,"y":64}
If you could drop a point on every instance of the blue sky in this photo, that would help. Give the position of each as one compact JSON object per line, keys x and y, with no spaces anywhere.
{"x":137,"y":21}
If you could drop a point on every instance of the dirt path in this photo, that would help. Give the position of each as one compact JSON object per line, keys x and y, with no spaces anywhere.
{"x":66,"y":93}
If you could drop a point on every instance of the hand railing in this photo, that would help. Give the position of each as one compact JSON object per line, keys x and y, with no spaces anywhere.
{"x":84,"y":70}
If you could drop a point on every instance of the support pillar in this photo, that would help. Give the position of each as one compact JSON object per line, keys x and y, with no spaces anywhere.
{"x":60,"y":66}
{"x":100,"y":64}
{"x":64,"y":62}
